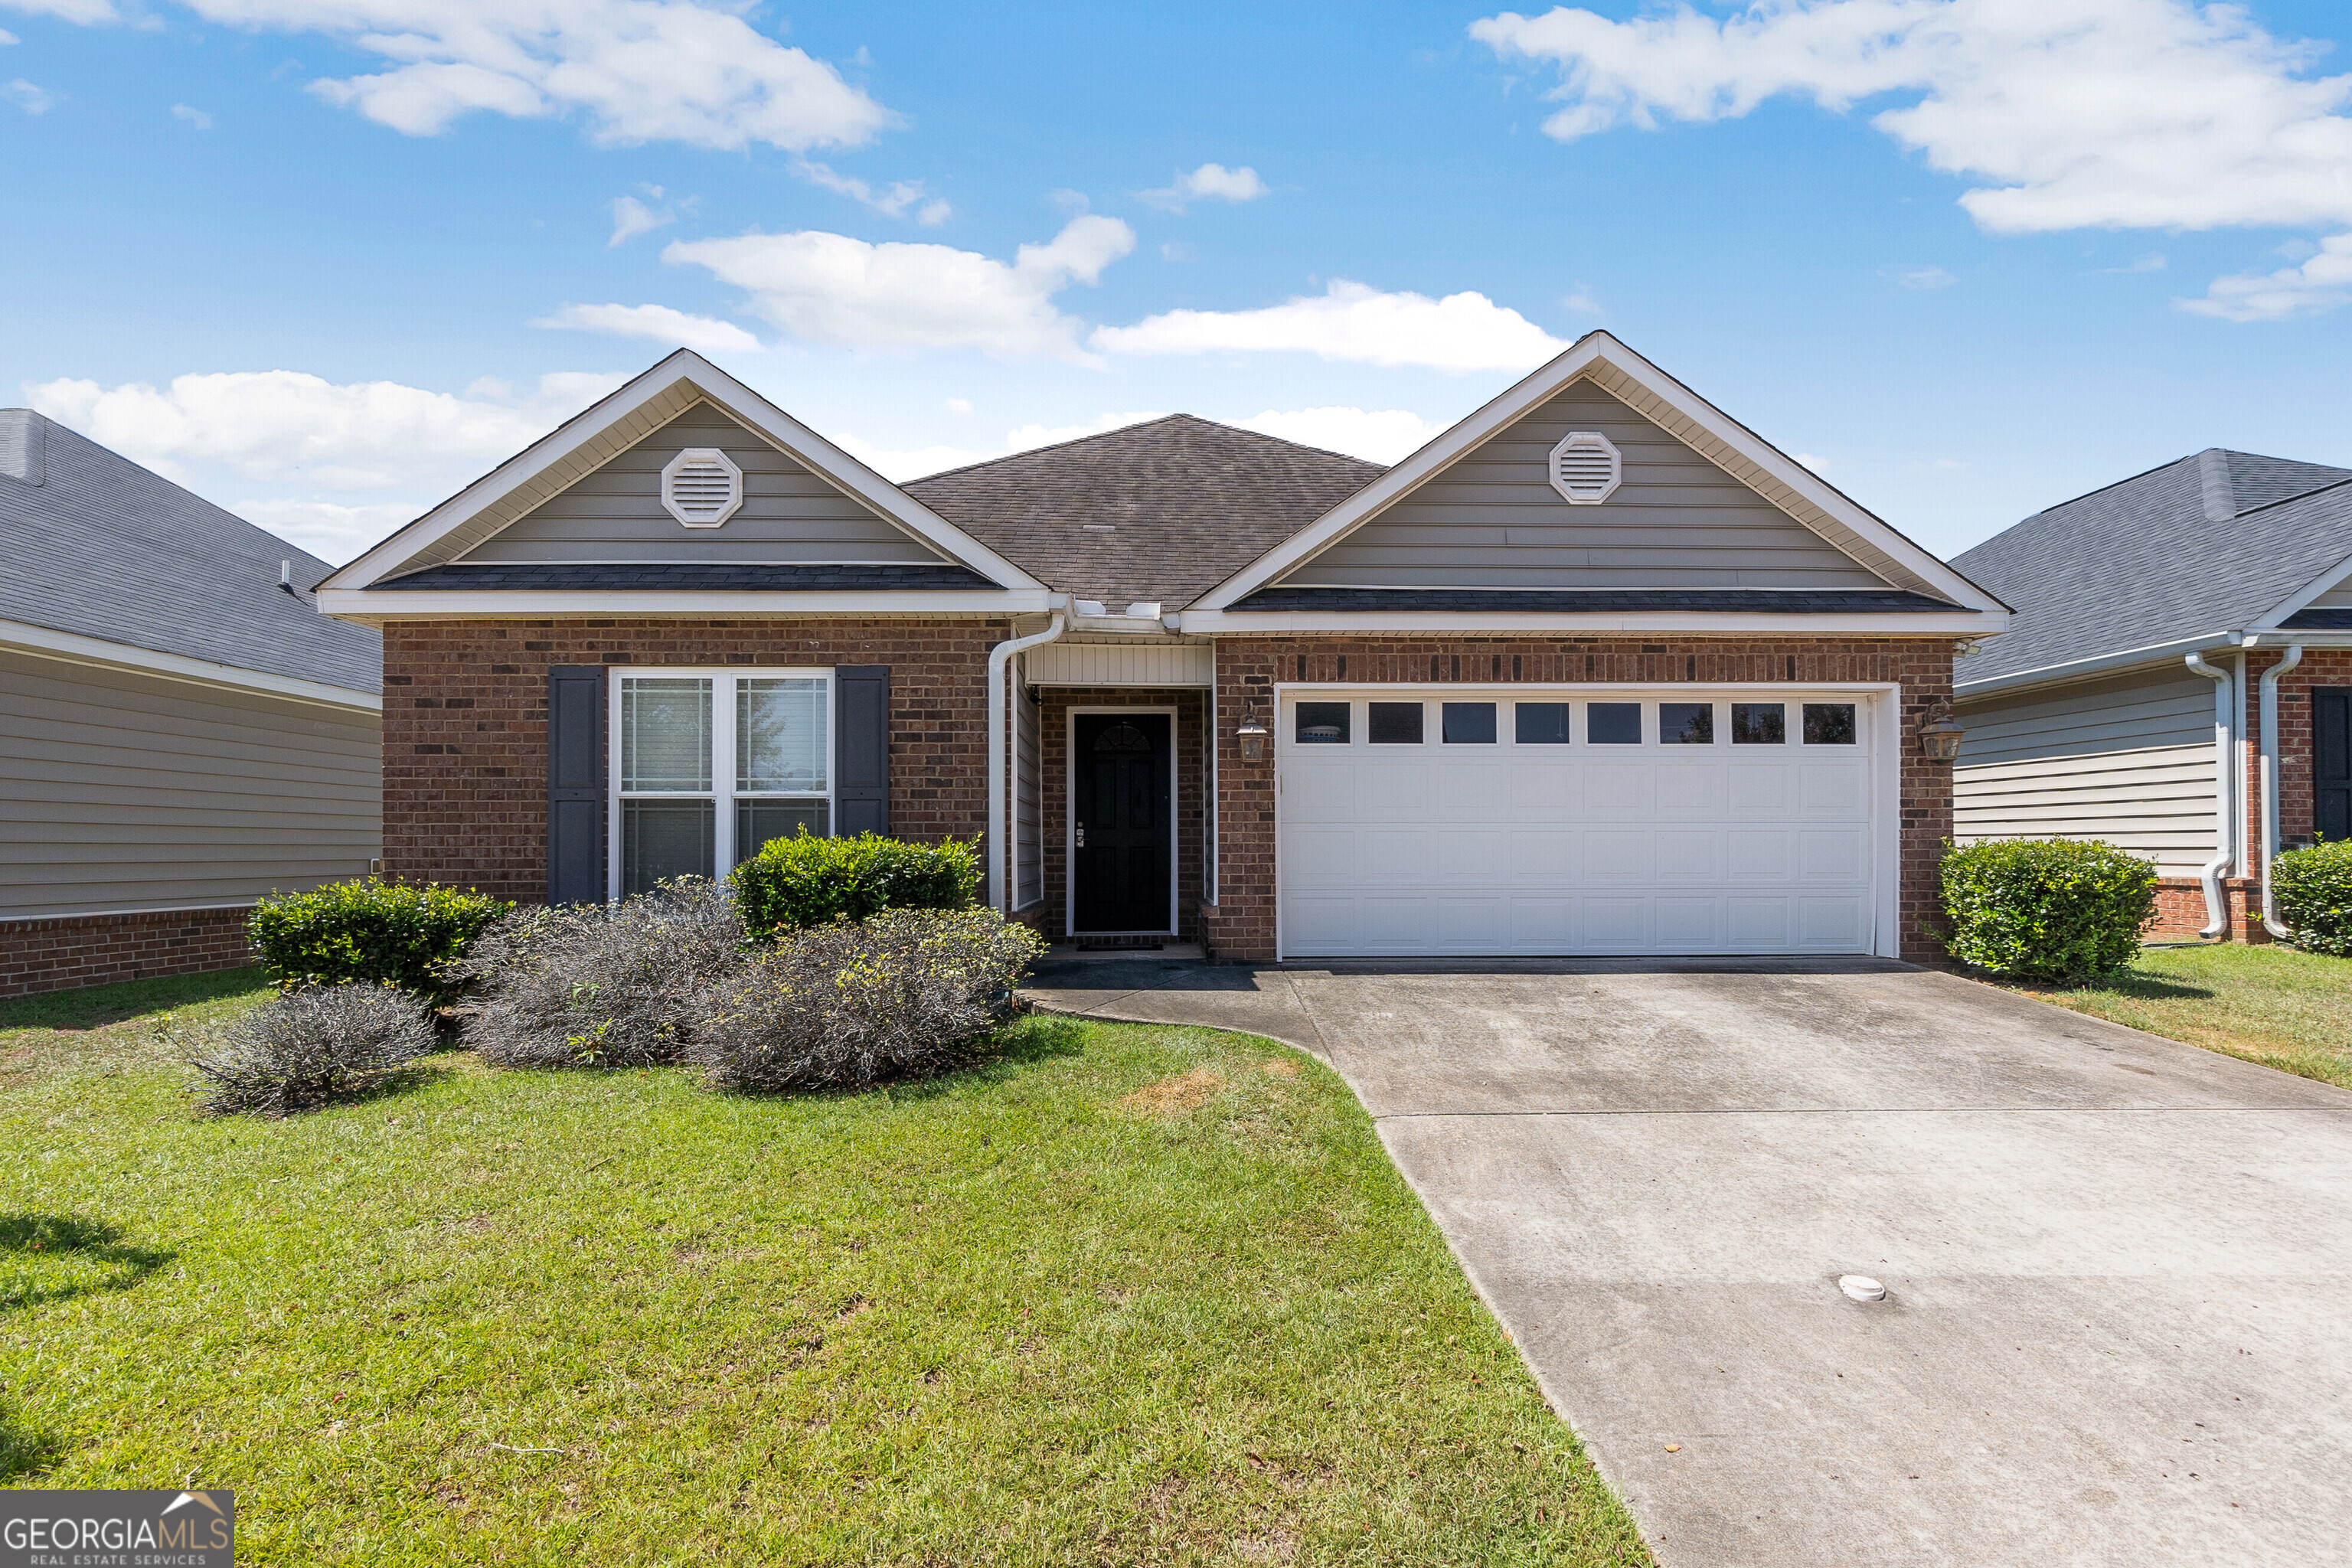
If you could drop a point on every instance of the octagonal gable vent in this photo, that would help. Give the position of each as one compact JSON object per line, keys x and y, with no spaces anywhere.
{"x":1587,"y":467}
{"x":701,"y":487}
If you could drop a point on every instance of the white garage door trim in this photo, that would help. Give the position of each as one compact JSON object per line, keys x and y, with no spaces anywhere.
{"x":1878,"y":727}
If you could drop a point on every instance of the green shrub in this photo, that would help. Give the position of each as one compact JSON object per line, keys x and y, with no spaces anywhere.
{"x":387,"y":934}
{"x":907,"y":993}
{"x":805,"y":880}
{"x":2054,"y":908}
{"x":2313,"y":890}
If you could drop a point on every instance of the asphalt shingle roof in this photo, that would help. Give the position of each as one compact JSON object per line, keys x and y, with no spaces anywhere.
{"x":2201,"y":545}
{"x":93,"y":544}
{"x":1159,"y":511}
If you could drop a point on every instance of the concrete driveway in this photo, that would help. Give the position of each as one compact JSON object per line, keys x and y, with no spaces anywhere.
{"x":2118,"y":1268}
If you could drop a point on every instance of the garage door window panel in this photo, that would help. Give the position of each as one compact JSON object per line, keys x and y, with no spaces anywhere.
{"x":1687,"y":724}
{"x":1395,"y":723}
{"x":1469,"y":723}
{"x":1613,"y":723}
{"x":1829,"y":724}
{"x":1759,"y":723}
{"x":1321,"y":723}
{"x":1540,"y":723}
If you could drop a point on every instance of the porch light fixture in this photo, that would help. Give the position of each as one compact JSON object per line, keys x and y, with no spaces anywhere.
{"x":1252,"y":735}
{"x":1941,"y":740}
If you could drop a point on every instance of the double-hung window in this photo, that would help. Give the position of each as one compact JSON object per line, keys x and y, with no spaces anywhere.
{"x":708,"y":765}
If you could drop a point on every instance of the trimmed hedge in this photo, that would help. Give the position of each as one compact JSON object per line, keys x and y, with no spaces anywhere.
{"x":2314,"y":892}
{"x":801,"y":881}
{"x":387,"y":933}
{"x":2053,"y":909}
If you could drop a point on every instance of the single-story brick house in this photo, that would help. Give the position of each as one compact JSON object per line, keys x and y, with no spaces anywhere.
{"x":2179,"y":680}
{"x":1597,"y":671}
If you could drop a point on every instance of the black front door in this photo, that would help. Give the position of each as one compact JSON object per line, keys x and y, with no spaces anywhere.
{"x":2331,"y":762}
{"x":1119,"y":840}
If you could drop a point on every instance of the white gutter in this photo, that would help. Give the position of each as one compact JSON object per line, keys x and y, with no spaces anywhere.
{"x":2271,"y":783}
{"x":1000,"y":858}
{"x":2225,"y":838}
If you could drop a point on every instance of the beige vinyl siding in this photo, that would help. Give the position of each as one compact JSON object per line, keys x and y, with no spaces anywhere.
{"x":1491,"y":520}
{"x":790,"y":516}
{"x":2339,"y":597}
{"x":2127,"y":759}
{"x":123,"y":791}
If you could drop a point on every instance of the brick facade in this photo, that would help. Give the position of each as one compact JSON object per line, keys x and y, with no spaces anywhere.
{"x":1191,"y":794}
{"x":465,"y":725}
{"x":1240,"y":925}
{"x":62,"y":954}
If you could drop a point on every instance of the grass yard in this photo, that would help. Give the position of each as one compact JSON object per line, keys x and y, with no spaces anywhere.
{"x":1127,"y":1294}
{"x":2270,"y":1005}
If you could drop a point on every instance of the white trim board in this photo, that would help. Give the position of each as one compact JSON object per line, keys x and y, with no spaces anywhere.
{"x":2333,"y":577}
{"x":1956,"y":623}
{"x":1666,"y":401}
{"x":530,"y":604}
{"x":619,"y":420}
{"x":68,"y":648}
{"x":1070,"y":819}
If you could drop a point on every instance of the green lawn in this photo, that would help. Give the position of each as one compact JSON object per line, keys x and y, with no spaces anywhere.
{"x":2271,"y":1005}
{"x":1128,"y":1294}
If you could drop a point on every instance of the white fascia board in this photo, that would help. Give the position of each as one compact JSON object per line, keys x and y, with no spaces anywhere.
{"x":72,"y":648}
{"x":382,"y":605}
{"x":1597,"y":349}
{"x":2103,"y":664}
{"x":1956,"y":623}
{"x":2302,"y":597}
{"x":691,"y":370}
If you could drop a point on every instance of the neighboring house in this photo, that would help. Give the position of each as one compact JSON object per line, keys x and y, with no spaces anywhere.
{"x":179,"y":734}
{"x":1596,"y":671}
{"x":2161,"y":623}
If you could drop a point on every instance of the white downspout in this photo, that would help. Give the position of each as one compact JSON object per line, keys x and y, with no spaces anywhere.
{"x":2271,"y":783}
{"x":2225,"y":841}
{"x":1000,"y":856}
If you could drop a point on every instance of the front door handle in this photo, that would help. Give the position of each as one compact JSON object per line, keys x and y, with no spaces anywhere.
{"x":1081,"y":836}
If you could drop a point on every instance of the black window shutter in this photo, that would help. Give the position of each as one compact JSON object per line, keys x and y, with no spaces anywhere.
{"x":575,"y":784}
{"x":861,"y":748}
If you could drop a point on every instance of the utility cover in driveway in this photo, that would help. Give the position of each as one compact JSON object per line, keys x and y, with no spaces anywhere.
{"x":1525,"y":820}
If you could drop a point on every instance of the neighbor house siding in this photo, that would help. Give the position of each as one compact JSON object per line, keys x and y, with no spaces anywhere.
{"x":1241,"y":924}
{"x":128,"y":792}
{"x":2127,"y":761}
{"x":1492,"y":520}
{"x":789,"y":515}
{"x":466,"y":724}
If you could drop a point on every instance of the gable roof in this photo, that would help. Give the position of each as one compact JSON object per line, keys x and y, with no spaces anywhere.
{"x":1158,"y":511}
{"x":605,"y":430}
{"x":2214,"y":543}
{"x":97,"y":547}
{"x":1642,"y":386}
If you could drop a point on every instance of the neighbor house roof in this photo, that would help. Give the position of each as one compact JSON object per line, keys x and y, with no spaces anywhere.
{"x":97,"y":547}
{"x":1158,"y":511}
{"x":2206,"y":545}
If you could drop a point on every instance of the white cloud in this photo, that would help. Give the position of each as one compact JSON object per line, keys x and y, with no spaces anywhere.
{"x":283,"y":426}
{"x":1376,"y":435}
{"x":83,"y":11}
{"x":329,"y":531}
{"x":640,"y":70}
{"x":632,"y":217}
{"x":1926,"y":278}
{"x":957,"y":404}
{"x":703,"y":335}
{"x":828,"y":288}
{"x":2319,"y":284}
{"x":1581,"y":303}
{"x":195,"y":117}
{"x":1210,"y":182}
{"x":7,"y":37}
{"x":2073,"y":113}
{"x":25,"y":96}
{"x":891,"y":202}
{"x":1354,"y":323}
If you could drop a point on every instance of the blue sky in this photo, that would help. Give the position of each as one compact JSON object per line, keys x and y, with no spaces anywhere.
{"x":325,"y":260}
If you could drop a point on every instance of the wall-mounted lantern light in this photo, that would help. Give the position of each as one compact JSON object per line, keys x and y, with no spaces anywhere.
{"x":1941,"y":740}
{"x":1252,"y":735}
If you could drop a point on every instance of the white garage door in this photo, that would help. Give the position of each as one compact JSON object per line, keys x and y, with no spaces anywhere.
{"x":1599,"y":821}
